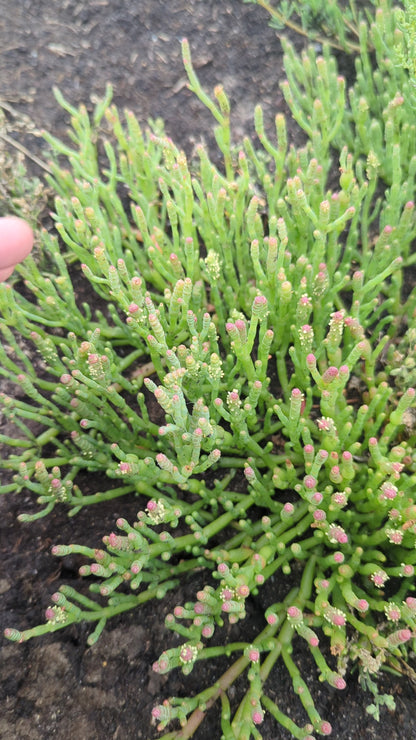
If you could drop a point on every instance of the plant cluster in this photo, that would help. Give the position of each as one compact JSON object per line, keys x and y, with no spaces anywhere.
{"x":244,"y":376}
{"x":325,"y":21}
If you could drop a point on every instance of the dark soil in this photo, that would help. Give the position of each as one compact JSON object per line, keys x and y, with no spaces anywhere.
{"x":57,"y":687}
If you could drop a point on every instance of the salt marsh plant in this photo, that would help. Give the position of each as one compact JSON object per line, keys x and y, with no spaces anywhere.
{"x":244,"y":364}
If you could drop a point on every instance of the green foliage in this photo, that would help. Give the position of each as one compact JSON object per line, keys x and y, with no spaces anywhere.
{"x":325,"y":21}
{"x":406,"y":43}
{"x":236,"y":365}
{"x":380,"y":700}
